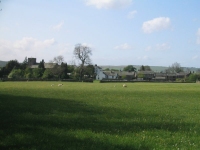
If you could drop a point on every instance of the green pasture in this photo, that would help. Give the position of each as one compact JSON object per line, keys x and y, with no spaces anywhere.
{"x":92,"y":116}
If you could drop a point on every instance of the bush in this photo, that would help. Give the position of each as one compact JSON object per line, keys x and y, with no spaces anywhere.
{"x":193,"y":77}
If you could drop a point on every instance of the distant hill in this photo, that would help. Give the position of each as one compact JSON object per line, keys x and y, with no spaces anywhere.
{"x":3,"y":63}
{"x":154,"y":68}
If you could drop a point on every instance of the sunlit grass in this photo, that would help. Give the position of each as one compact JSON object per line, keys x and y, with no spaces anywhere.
{"x":36,"y":115}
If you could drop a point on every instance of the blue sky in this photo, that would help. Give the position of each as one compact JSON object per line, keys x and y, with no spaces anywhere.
{"x":120,"y":32}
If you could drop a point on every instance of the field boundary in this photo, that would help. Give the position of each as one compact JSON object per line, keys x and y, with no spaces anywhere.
{"x":142,"y":81}
{"x":62,"y":80}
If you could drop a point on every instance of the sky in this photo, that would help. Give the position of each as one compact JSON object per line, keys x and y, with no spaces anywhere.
{"x":119,"y":32}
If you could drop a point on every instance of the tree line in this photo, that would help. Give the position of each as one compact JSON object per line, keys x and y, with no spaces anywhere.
{"x":61,"y":70}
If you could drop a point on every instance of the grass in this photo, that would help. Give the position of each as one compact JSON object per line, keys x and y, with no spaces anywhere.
{"x":36,"y":115}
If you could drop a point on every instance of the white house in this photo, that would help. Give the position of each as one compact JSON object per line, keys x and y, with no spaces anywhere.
{"x":100,"y":74}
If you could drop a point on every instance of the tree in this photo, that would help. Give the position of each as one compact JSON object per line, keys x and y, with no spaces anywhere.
{"x":10,"y":65}
{"x":58,"y":59}
{"x":24,"y":64}
{"x":145,"y":68}
{"x":47,"y":74}
{"x":174,"y":68}
{"x":64,"y":70}
{"x":82,"y":53}
{"x":15,"y":73}
{"x":28,"y":73}
{"x":37,"y":72}
{"x":89,"y":71}
{"x":193,"y":77}
{"x":58,"y":69}
{"x":2,"y":72}
{"x":129,"y":68}
{"x":41,"y":64}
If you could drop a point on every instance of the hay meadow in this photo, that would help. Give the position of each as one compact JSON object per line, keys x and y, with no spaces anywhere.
{"x":88,"y":116}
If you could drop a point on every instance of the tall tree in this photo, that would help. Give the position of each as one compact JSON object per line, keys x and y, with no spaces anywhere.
{"x":57,"y":70}
{"x":82,"y":53}
{"x":41,"y":64}
{"x":24,"y":64}
{"x":64,"y":70}
{"x":142,"y":68}
{"x":145,"y":68}
{"x":10,"y":65}
{"x":89,"y":71}
{"x":129,"y":68}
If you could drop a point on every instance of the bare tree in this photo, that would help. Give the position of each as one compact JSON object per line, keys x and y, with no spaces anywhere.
{"x":174,"y":68}
{"x":82,"y":53}
{"x":58,"y":59}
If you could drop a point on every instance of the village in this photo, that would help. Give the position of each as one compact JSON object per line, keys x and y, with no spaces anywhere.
{"x":59,"y":70}
{"x":138,"y":76}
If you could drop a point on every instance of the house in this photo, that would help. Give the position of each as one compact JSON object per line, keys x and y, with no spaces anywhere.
{"x":33,"y":64}
{"x":183,"y":74}
{"x":171,"y":76}
{"x":146,"y":75}
{"x":160,"y":77}
{"x":129,"y":75}
{"x":110,"y":74}
{"x":100,"y":74}
{"x":141,"y":75}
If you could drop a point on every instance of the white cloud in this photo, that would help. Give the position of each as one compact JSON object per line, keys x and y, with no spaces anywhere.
{"x":158,"y":47}
{"x":108,"y":4}
{"x":58,"y":26}
{"x":198,"y":36}
{"x":124,"y":46}
{"x":27,"y":46}
{"x":132,"y":14}
{"x":163,"y":46}
{"x":29,"y":43}
{"x":156,"y":24}
{"x":143,"y":58}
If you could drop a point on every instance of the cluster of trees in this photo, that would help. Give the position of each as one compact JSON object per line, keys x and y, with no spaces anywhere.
{"x":145,"y":68}
{"x":193,"y":77}
{"x":174,"y":68}
{"x":14,"y":69}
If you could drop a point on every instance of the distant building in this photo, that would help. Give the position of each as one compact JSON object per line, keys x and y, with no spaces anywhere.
{"x":100,"y":74}
{"x":141,"y":75}
{"x":33,"y":64}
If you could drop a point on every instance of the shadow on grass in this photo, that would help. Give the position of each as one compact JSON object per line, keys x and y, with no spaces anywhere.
{"x":38,"y":123}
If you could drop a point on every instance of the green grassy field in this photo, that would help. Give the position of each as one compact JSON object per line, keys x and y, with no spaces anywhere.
{"x":36,"y":115}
